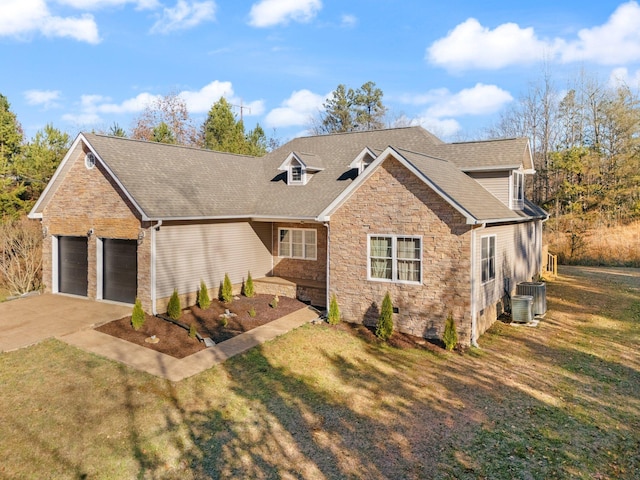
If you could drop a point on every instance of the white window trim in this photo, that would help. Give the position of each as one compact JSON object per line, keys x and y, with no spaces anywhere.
{"x":303,"y":173}
{"x":517,"y":200}
{"x":495,"y":255}
{"x":394,"y":258}
{"x":304,"y":243}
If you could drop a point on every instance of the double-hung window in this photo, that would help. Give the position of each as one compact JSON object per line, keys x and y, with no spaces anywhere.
{"x":488,"y":258}
{"x":517,"y":193}
{"x":297,"y":243}
{"x":395,"y":258}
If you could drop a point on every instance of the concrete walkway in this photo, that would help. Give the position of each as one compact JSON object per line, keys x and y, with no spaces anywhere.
{"x":32,"y":319}
{"x":175,"y":369}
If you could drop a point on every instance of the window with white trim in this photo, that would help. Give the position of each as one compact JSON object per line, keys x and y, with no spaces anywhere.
{"x":296,"y":174}
{"x":517,"y":192}
{"x":488,"y":258}
{"x":297,"y":243}
{"x":395,"y":258}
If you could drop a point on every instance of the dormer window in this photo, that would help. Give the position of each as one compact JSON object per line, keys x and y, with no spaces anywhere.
{"x":300,"y":167}
{"x":295,"y":174}
{"x":363,"y":160}
{"x":517,"y":190}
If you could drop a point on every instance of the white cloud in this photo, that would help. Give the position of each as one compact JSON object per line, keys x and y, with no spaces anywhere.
{"x":621,"y":76}
{"x":613,"y":43}
{"x":21,"y":18}
{"x":348,"y":20}
{"x":269,"y":13}
{"x":185,"y":15}
{"x":473,"y":46}
{"x":440,"y":127}
{"x":198,"y":101}
{"x":98,"y":4}
{"x":480,"y":99}
{"x":296,"y":110}
{"x":46,"y":98}
{"x":470,"y":45}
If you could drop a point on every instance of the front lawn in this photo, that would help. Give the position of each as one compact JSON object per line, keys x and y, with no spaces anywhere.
{"x":557,"y":401}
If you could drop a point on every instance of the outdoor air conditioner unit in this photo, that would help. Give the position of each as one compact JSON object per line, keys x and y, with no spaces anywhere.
{"x":522,"y":308}
{"x":538,"y":290}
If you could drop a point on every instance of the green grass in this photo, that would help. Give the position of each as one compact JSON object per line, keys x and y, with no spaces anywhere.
{"x":557,"y":401}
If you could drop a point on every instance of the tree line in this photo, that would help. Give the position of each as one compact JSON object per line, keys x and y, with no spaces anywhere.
{"x":585,"y":142}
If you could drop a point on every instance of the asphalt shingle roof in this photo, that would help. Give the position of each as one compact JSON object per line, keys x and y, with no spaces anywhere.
{"x":168,"y":181}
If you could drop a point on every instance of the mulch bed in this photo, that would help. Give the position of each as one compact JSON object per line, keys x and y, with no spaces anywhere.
{"x":175,"y":341}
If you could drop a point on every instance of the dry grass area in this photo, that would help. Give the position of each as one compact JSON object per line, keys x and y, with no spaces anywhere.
{"x":556,"y":401}
{"x":612,"y":246}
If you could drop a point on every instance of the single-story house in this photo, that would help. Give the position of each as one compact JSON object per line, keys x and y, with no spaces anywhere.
{"x":443,"y":227}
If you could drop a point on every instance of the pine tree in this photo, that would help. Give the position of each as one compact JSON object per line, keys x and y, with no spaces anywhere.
{"x":137,"y":316}
{"x":226,"y":291}
{"x":174,"y":310}
{"x":384,"y":328}
{"x":249,"y":290}
{"x":334,"y":311}
{"x":203,"y":296}
{"x":450,"y":337}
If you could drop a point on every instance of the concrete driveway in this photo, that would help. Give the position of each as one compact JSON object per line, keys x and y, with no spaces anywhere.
{"x":32,"y":319}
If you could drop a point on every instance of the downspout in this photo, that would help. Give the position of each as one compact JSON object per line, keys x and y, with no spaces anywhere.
{"x":326,"y":224}
{"x":154,"y":229}
{"x":474,"y":279}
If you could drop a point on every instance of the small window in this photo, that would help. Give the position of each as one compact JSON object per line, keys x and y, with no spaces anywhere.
{"x":517,"y":198}
{"x":297,"y":243}
{"x":488,"y":258}
{"x":296,"y":174}
{"x":395,"y":258}
{"x":89,"y":160}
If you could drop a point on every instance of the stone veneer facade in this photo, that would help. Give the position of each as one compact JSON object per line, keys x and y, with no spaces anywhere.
{"x":89,"y":199}
{"x":394,"y":201}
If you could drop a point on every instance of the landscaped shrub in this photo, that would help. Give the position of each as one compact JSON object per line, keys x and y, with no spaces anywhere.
{"x":450,"y":337}
{"x":334,"y":311}
{"x":252,"y":312}
{"x":138,"y":316}
{"x":226,"y":290}
{"x":274,"y":302}
{"x":203,"y":296}
{"x":193,"y":332}
{"x":174,"y":310}
{"x":249,"y":290}
{"x":384,"y":327}
{"x":224,"y":321}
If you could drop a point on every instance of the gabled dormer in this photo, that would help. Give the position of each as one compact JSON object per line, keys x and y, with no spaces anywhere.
{"x":300,"y":167}
{"x":363,"y":160}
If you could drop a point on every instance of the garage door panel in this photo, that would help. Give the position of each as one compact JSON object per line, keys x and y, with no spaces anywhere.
{"x":120,"y":270}
{"x":72,"y":265}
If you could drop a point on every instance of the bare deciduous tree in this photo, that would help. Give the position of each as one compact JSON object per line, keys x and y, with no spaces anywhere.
{"x":20,"y":255}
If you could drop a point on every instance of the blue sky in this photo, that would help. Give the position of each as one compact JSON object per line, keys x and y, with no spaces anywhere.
{"x":449,"y":66}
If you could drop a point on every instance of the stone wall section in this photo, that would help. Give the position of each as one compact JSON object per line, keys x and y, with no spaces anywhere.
{"x":88,"y":199}
{"x":394,"y":201}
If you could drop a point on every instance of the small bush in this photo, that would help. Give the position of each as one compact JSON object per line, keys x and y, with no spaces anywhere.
{"x":334,"y":311}
{"x":193,"y":332}
{"x":384,"y":327}
{"x":226,"y":290}
{"x":224,"y":321}
{"x":252,"y":312}
{"x":203,"y":296}
{"x":174,"y":310}
{"x":274,"y":302}
{"x":249,"y":289}
{"x":450,"y":337}
{"x":138,"y":316}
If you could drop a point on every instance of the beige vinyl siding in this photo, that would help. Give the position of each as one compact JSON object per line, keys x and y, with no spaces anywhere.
{"x":188,"y":253}
{"x":518,"y":258}
{"x":497,"y":183}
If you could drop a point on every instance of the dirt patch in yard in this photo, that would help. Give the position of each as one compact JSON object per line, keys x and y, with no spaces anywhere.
{"x":175,"y":341}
